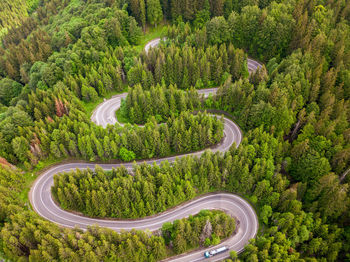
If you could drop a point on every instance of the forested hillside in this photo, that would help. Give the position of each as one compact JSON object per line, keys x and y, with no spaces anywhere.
{"x":11,"y":14}
{"x":14,"y":13}
{"x":140,"y":105}
{"x":60,"y":58}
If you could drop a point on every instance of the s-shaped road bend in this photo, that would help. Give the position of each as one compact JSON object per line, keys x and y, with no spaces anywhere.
{"x":246,"y":218}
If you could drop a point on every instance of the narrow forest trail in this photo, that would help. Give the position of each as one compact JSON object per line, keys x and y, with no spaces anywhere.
{"x":42,"y":202}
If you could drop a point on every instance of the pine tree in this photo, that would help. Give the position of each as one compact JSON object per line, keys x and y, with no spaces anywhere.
{"x":154,"y":12}
{"x":72,"y":148}
{"x":179,"y":242}
{"x":135,"y":10}
{"x":54,"y":149}
{"x":143,"y":14}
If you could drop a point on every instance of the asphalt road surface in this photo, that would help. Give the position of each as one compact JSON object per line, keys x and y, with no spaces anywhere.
{"x":253,"y":65}
{"x":153,"y":43}
{"x":105,"y":113}
{"x":42,"y":202}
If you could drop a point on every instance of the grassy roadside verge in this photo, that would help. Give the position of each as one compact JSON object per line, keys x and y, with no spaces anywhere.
{"x":150,"y":34}
{"x":31,"y":175}
{"x":121,"y":117}
{"x":91,"y":106}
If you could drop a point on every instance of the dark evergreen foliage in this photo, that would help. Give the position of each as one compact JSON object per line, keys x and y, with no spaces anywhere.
{"x":293,"y":163}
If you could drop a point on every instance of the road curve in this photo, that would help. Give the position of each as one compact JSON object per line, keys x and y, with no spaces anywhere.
{"x":105,"y":113}
{"x":153,"y":43}
{"x":253,"y":65}
{"x":42,"y":202}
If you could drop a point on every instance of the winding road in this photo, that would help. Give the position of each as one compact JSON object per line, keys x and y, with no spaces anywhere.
{"x":42,"y":202}
{"x":253,"y":65}
{"x":105,"y":113}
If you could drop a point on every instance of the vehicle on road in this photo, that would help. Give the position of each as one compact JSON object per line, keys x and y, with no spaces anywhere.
{"x":214,"y":252}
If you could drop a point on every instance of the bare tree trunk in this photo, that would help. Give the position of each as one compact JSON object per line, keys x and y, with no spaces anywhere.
{"x":295,"y":131}
{"x":343,"y":176}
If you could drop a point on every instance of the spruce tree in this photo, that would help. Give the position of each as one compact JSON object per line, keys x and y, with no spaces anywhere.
{"x":154,"y":12}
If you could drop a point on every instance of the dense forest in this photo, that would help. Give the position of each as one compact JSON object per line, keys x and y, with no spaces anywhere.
{"x":58,"y":56}
{"x":11,"y":13}
{"x":15,"y":13}
{"x":29,"y":235}
{"x":140,"y":106}
{"x":71,"y":133}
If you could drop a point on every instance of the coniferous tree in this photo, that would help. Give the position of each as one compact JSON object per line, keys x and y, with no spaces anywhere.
{"x":154,"y":12}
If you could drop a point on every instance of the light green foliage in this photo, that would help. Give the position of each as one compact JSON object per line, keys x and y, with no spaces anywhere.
{"x":20,"y":148}
{"x":293,"y":162}
{"x":141,"y":105}
{"x":64,"y":118}
{"x":202,"y":17}
{"x":265,"y":33}
{"x":11,"y":13}
{"x":217,"y":30}
{"x":207,"y":242}
{"x":266,"y":212}
{"x":186,"y":234}
{"x":11,"y":183}
{"x":126,"y":155}
{"x":233,"y":255}
{"x":88,"y":93}
{"x":185,"y":66}
{"x":32,"y":5}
